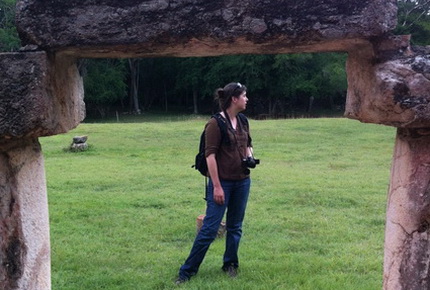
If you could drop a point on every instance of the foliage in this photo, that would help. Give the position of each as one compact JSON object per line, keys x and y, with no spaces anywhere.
{"x":287,"y":81}
{"x":104,"y":82}
{"x":321,"y":76}
{"x":122,"y":215}
{"x":414,"y":18}
{"x":157,"y":82}
{"x":9,"y":40}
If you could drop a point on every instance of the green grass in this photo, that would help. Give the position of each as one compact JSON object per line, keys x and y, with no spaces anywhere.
{"x":123,"y":213}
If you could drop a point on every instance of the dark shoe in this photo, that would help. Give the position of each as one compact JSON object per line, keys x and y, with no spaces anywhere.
{"x":180,"y":281}
{"x":231,"y":271}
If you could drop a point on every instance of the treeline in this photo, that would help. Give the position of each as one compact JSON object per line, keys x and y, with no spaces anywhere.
{"x":278,"y":85}
{"x":9,"y":40}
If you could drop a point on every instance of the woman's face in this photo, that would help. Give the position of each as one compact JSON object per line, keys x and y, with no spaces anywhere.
{"x":241,"y":101}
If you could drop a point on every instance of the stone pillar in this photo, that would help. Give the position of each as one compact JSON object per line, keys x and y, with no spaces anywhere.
{"x":41,"y":94}
{"x":24,"y":222}
{"x":389,"y":83}
{"x":407,"y":244}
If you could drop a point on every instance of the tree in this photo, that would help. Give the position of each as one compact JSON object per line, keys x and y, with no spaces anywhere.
{"x":9,"y":40}
{"x":414,"y":19}
{"x":104,"y":84}
{"x":305,"y":78}
{"x":331,"y":79}
{"x":190,"y":77}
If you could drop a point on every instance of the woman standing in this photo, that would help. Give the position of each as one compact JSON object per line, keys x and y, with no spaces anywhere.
{"x":229,"y":181}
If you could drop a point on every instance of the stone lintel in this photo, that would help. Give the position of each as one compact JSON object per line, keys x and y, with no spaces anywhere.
{"x":210,"y":47}
{"x":138,"y":28}
{"x":389,"y":83}
{"x":40,"y":94}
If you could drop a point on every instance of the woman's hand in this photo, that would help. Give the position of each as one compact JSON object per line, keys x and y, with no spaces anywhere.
{"x":219,"y":195}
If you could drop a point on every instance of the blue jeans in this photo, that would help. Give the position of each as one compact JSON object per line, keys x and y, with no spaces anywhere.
{"x":236,"y":197}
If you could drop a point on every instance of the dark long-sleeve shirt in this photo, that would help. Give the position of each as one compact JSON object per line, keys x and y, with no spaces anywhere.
{"x":229,"y":157}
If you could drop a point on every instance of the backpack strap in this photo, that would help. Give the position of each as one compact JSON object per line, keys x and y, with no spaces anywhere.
{"x":222,"y":125}
{"x":244,"y":121}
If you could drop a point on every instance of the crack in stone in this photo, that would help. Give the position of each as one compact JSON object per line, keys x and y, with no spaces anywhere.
{"x":403,"y":229}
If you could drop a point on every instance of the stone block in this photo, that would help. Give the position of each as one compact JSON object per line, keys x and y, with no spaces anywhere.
{"x":79,"y":139}
{"x":133,"y":28}
{"x":221,"y":230}
{"x":40,"y":94}
{"x":389,"y":83}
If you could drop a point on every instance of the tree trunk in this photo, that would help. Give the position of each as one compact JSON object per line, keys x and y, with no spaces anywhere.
{"x":166,"y":101}
{"x":270,"y":106}
{"x":195,"y":101}
{"x":134,"y":84}
{"x":311,"y":102}
{"x":331,"y":101}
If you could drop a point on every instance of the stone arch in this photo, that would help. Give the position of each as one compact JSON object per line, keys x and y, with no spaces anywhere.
{"x":41,"y":94}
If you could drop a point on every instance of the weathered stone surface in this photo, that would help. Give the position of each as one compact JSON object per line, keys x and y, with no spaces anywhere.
{"x":40,"y":95}
{"x":78,"y":147}
{"x":131,"y":28}
{"x":24,"y":224}
{"x":80,"y":139}
{"x":407,"y":251}
{"x":389,"y":83}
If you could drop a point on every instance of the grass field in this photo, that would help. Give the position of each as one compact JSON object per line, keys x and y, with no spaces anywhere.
{"x":123,"y":213}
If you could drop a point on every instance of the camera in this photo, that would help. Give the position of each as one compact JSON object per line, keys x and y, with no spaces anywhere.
{"x":250,"y":162}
